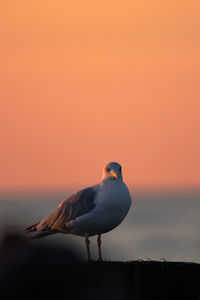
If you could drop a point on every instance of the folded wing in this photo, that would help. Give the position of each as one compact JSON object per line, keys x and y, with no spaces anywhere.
{"x":76,"y":205}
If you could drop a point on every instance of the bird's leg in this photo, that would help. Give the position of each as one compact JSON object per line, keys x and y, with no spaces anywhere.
{"x":99,"y":246}
{"x":87,"y":241}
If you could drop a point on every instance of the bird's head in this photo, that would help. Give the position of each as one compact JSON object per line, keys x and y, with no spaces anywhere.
{"x":112,"y":170}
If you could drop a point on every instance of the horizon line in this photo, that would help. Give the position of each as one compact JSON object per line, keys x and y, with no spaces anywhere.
{"x":71,"y":187}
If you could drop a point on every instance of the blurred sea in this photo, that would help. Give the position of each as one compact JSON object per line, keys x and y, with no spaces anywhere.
{"x":163,"y":224}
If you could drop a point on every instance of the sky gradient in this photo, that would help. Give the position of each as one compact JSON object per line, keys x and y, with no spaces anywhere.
{"x":83,"y":83}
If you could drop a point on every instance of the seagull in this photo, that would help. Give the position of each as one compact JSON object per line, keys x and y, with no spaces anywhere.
{"x":92,"y":211}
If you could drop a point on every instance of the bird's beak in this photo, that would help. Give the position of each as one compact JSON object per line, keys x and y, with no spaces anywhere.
{"x":114,"y":174}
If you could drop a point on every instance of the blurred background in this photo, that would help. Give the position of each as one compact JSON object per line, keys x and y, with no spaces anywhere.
{"x":85,"y":83}
{"x":161,"y":224}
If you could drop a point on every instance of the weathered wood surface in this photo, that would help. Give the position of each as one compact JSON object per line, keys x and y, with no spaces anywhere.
{"x":31,"y":271}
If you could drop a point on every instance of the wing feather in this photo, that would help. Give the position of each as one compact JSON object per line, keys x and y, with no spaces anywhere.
{"x":75,"y":206}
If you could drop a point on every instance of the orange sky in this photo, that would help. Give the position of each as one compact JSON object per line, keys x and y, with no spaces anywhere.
{"x":87,"y":82}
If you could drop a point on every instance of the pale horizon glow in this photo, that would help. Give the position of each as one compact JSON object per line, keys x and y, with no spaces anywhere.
{"x":85,"y":83}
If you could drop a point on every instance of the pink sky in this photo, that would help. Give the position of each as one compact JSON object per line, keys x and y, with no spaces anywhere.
{"x":85,"y":83}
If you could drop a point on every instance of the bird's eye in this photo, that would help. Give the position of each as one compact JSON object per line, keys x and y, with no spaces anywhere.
{"x":120,"y":169}
{"x":107,"y":170}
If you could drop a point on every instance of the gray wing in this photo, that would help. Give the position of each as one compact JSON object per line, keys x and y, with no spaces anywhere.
{"x":76,"y":205}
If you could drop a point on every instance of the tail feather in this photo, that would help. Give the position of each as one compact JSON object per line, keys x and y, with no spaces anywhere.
{"x":43,"y":234}
{"x":31,"y":228}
